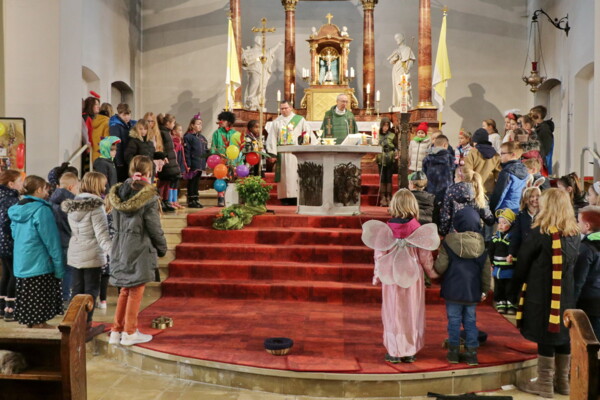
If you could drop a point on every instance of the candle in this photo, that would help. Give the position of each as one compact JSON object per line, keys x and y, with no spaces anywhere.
{"x":377,"y":96}
{"x":292,"y":89}
{"x":351,"y":72}
{"x":279,"y":95}
{"x":368,"y":88}
{"x":346,"y":73}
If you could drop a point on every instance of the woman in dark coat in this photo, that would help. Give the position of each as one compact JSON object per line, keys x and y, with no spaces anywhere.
{"x":170,"y":174}
{"x":544,"y":276}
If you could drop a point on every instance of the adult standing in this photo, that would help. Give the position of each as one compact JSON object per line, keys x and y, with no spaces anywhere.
{"x":286,"y":130}
{"x":339,"y":121}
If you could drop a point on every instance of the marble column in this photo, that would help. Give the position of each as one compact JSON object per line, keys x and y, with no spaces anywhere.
{"x":368,"y":52}
{"x":424,"y":71}
{"x":236,"y":21}
{"x":289,"y":69}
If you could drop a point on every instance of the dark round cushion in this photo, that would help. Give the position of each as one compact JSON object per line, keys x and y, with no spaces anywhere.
{"x":278,"y":343}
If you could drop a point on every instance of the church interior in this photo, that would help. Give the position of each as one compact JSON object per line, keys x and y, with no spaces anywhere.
{"x":295,"y":272}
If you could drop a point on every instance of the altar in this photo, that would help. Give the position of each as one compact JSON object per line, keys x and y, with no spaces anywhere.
{"x":329,"y":178}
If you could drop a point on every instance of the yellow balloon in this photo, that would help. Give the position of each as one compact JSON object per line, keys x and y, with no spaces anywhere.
{"x":232,"y":152}
{"x":2,"y":129}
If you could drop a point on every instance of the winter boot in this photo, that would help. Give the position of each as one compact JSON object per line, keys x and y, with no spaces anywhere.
{"x":561,"y":374}
{"x":193,"y":202}
{"x":166,"y":207}
{"x":453,"y":354}
{"x":543,"y":386}
{"x":470,"y":356}
{"x":221,"y":201}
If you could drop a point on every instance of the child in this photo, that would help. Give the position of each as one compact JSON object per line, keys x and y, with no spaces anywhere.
{"x":177,"y":136}
{"x":494,"y":137}
{"x":463,"y":148}
{"x":545,"y":134}
{"x":139,"y":143}
{"x":533,"y":167}
{"x":139,"y":239}
{"x":404,"y":332}
{"x":512,"y":179}
{"x":439,"y":166}
{"x":195,"y":146}
{"x":90,"y":241}
{"x":67,"y":190}
{"x":221,"y":138}
{"x":119,"y":125}
{"x":38,"y":262}
{"x":587,"y":268}
{"x":522,"y":226}
{"x":170,"y":173}
{"x":251,"y":143}
{"x":55,"y":174}
{"x":503,"y":264}
{"x":594,"y":194}
{"x":417,"y":182}
{"x":465,"y":269}
{"x":484,"y":160}
{"x":386,"y":160}
{"x":572,"y":185}
{"x":417,"y":149}
{"x":105,"y":163}
{"x":11,"y":183}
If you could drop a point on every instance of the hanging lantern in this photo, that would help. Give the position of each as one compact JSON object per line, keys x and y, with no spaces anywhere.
{"x":534,"y":79}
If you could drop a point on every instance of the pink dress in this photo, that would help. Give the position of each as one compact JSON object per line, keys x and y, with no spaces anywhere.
{"x":403,"y":309}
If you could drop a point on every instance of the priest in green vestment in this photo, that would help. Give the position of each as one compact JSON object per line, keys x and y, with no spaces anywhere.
{"x":223,"y":138}
{"x":339,"y":121}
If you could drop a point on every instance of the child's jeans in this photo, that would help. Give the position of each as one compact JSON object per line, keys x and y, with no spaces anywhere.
{"x":128,"y":307}
{"x":461,"y":314}
{"x":87,"y":281}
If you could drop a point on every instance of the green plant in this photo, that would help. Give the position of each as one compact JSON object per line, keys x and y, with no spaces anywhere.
{"x":253,"y":190}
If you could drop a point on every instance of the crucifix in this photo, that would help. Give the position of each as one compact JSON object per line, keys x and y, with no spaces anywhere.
{"x":261,"y":100}
{"x":329,"y":17}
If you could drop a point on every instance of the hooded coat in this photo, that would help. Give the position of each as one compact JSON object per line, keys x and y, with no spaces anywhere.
{"x":139,"y":238}
{"x":587,"y":275}
{"x":120,"y":129}
{"x":459,"y":196}
{"x":512,"y":180}
{"x":170,"y":170}
{"x":545,"y":134}
{"x":62,"y":220}
{"x":139,"y":146}
{"x":417,"y":151}
{"x":90,"y":240}
{"x":37,"y":243}
{"x":8,"y":198}
{"x":439,"y":168}
{"x":101,"y":130}
{"x":484,"y":160}
{"x":105,"y":164}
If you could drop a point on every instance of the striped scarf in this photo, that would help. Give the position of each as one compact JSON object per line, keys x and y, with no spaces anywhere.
{"x":557,"y":261}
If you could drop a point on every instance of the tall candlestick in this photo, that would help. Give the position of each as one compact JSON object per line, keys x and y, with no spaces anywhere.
{"x":292,"y":88}
{"x":368,"y":88}
{"x":279,"y":95}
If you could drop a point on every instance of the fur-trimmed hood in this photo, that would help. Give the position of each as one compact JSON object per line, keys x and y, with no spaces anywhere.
{"x":83,"y":202}
{"x":124,"y":198}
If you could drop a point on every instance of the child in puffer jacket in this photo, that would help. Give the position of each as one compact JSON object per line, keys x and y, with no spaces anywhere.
{"x":417,"y":149}
{"x":503,"y":261}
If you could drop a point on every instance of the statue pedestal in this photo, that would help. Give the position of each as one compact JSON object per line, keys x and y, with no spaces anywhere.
{"x":329,"y":178}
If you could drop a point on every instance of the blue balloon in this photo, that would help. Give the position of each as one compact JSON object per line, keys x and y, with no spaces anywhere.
{"x":220,"y":185}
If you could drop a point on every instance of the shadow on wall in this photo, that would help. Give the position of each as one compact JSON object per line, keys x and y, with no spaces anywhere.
{"x":161,"y":5}
{"x":473,"y":110}
{"x":187,"y":106}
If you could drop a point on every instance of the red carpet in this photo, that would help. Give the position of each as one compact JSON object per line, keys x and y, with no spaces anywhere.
{"x":307,"y":278}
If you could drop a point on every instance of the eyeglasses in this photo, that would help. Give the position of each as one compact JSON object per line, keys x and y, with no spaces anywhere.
{"x":503,"y":154}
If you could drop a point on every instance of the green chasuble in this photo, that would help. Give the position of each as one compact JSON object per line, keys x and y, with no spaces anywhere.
{"x":338,"y":126}
{"x":222,"y":138}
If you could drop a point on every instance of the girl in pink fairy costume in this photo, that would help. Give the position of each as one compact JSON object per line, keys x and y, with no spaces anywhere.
{"x":402,"y":253}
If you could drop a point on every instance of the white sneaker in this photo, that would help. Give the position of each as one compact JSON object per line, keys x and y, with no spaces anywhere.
{"x":135,"y":338}
{"x":115,"y":338}
{"x":102,"y":305}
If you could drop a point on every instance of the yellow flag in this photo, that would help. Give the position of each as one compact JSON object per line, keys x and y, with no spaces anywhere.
{"x":232,"y":80}
{"x":441,"y":72}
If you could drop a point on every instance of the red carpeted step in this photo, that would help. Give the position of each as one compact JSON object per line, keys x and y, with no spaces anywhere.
{"x":373,"y":179}
{"x":258,"y":252}
{"x":274,"y":235}
{"x":268,"y":270}
{"x":292,"y":220}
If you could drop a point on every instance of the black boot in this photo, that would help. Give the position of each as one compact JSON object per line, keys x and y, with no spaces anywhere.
{"x":470,"y":356}
{"x":220,"y":201}
{"x":193,"y":202}
{"x":2,"y":305}
{"x":453,"y":355}
{"x":166,"y":207}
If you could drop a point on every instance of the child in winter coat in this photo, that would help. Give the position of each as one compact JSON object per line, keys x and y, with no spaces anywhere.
{"x":417,"y":149}
{"x":465,"y":269}
{"x":502,"y":262}
{"x":170,"y":174}
{"x":439,"y":166}
{"x":138,"y":241}
{"x":587,"y":268}
{"x":463,"y":148}
{"x":119,"y":126}
{"x":90,"y":241}
{"x":196,"y":147}
{"x":386,"y":160}
{"x":38,"y":261}
{"x":484,"y":160}
{"x":105,"y":163}
{"x":512,"y":180}
{"x":11,"y":183}
{"x":417,"y":182}
{"x":177,"y":136}
{"x":522,"y":227}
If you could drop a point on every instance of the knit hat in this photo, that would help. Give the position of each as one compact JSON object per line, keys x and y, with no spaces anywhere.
{"x":417,"y":176}
{"x":507,"y":214}
{"x":481,"y":136}
{"x":467,"y":220}
{"x":423,"y":127}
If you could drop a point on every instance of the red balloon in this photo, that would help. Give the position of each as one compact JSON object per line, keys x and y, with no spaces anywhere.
{"x":21,"y":156}
{"x":252,"y":158}
{"x":220,"y":171}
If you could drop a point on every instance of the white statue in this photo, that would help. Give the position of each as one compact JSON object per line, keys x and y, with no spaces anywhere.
{"x":313,"y":31}
{"x":252,"y":65}
{"x":402,"y":58}
{"x":344,"y":31}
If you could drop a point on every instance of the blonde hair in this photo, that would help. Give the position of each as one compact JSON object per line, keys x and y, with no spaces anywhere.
{"x":474,"y":178}
{"x":94,"y":183}
{"x":556,"y":211}
{"x":68,"y":179}
{"x":154,"y":132}
{"x":527,"y":193}
{"x":404,"y":205}
{"x":419,"y":184}
{"x":532,"y":164}
{"x":513,"y":148}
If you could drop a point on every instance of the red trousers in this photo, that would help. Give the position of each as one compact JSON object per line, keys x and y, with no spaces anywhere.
{"x":128,"y":307}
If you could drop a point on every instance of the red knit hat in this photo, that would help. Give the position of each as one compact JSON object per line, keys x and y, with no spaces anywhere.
{"x":423,"y":127}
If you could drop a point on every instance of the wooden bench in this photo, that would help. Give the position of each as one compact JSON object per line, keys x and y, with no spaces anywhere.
{"x":55,"y":357}
{"x":585,"y":366}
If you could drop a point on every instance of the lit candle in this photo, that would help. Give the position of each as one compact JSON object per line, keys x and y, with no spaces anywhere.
{"x":346,"y":73}
{"x":377,"y":96}
{"x":368,"y":88}
{"x":292,"y":89}
{"x":351,"y":72}
{"x":279,"y":95}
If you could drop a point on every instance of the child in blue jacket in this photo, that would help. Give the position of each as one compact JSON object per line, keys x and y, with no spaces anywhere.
{"x":38,"y":259}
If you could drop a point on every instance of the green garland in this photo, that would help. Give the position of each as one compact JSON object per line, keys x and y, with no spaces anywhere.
{"x":236,"y":216}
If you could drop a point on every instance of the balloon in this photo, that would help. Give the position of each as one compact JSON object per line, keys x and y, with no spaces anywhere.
{"x":2,"y":129}
{"x":213,"y":161}
{"x":21,"y":156}
{"x":232,"y":152}
{"x":236,"y":139}
{"x":252,"y":158}
{"x":220,"y":185}
{"x":242,"y":170}
{"x":220,"y":171}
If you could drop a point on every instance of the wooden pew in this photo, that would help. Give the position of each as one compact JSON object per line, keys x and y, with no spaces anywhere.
{"x":585,"y":366}
{"x":55,"y":357}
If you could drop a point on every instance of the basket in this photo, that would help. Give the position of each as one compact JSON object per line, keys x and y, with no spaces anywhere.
{"x":278,"y":346}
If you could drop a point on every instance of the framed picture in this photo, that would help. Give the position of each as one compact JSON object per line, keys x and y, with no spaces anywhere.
{"x":12,"y":143}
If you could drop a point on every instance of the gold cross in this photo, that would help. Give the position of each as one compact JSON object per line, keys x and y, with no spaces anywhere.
{"x":264,"y":28}
{"x":329,"y":16}
{"x":328,"y":126}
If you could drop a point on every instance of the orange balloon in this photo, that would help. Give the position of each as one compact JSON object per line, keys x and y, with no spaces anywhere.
{"x":220,"y":171}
